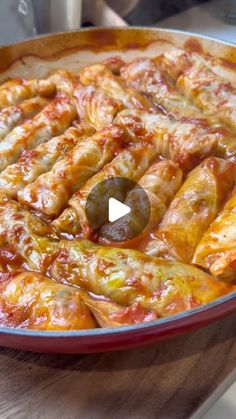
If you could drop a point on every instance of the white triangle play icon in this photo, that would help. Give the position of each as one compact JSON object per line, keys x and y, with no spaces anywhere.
{"x":116,"y":210}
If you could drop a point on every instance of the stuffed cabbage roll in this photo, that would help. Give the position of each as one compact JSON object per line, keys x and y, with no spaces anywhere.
{"x":195,"y":206}
{"x":96,"y":107}
{"x":49,"y":194}
{"x":100,"y":76}
{"x":15,"y":91}
{"x":210,"y":92}
{"x":29,"y":300}
{"x":109,"y":314}
{"x":128,"y":276}
{"x":51,"y":121}
{"x":32,"y":163}
{"x":174,"y":62}
{"x":226,"y":144}
{"x":144,"y":75}
{"x":160,"y":183}
{"x":217,"y":249}
{"x":130,"y":163}
{"x":182,"y":142}
{"x":65,"y":82}
{"x":148,"y":78}
{"x":25,"y":240}
{"x":15,"y":115}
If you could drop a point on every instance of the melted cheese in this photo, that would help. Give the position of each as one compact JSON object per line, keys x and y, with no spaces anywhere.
{"x":51,"y":191}
{"x":51,"y":121}
{"x":30,"y":300}
{"x":128,"y":276}
{"x":193,"y":209}
{"x":217,"y":249}
{"x":182,"y":142}
{"x":130,"y":163}
{"x":32,"y":163}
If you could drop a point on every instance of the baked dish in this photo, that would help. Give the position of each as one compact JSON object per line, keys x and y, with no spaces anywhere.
{"x":168,"y":123}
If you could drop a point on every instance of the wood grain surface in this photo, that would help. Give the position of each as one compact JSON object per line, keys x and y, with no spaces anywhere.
{"x":170,"y":379}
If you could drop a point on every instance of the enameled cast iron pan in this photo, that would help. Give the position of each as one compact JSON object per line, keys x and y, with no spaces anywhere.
{"x":71,"y":50}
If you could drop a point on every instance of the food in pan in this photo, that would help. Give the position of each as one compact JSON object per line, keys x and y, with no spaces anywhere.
{"x":32,"y":163}
{"x":214,"y":95}
{"x":183,"y":142}
{"x":194,"y":207}
{"x":51,"y":121}
{"x":130,"y":163}
{"x":160,"y":182}
{"x":217,"y":249}
{"x":168,"y":124}
{"x":148,"y":78}
{"x":54,"y":188}
{"x":128,"y":276}
{"x":30,"y":300}
{"x":96,"y":107}
{"x":16,"y":114}
{"x":101,"y":76}
{"x":25,"y":240}
{"x":16,"y":91}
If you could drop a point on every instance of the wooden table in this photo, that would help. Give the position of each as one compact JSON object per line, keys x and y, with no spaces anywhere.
{"x":166,"y":380}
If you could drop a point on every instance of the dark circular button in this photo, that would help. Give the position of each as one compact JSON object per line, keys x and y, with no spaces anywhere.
{"x":112,"y":198}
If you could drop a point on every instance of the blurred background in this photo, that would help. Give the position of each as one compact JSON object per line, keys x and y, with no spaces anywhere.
{"x":20,"y":19}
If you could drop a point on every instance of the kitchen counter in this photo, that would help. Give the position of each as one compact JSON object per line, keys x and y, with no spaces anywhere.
{"x":203,"y":19}
{"x":175,"y":379}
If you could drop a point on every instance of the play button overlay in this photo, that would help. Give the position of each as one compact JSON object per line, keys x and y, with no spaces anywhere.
{"x":117,"y":209}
